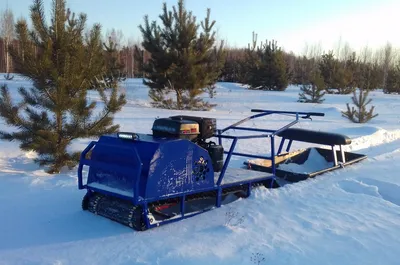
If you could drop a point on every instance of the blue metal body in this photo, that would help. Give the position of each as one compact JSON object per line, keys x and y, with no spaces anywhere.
{"x":147,"y":169}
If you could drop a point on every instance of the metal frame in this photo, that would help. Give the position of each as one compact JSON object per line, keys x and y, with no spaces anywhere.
{"x":218,"y":186}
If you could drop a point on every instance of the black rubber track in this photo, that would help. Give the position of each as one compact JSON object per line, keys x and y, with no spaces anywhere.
{"x":115,"y":209}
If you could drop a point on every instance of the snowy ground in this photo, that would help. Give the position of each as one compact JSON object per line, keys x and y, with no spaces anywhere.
{"x":348,"y":216}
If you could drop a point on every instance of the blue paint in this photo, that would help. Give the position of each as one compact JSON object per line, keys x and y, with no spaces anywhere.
{"x":176,"y":169}
{"x":273,"y":158}
{"x":281,"y":146}
{"x":227,"y":160}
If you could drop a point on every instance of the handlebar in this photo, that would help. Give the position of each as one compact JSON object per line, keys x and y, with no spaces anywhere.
{"x":290,"y":112}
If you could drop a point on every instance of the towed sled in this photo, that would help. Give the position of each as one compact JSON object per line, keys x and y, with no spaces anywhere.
{"x":147,"y":180}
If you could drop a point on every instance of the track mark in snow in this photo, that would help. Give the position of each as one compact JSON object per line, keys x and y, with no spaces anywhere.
{"x":388,"y":191}
{"x":356,"y":187}
{"x":373,"y":187}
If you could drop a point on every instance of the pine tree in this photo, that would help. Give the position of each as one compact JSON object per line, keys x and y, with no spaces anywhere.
{"x":303,"y":69}
{"x":393,"y":80}
{"x":313,"y":92}
{"x":214,"y":69}
{"x":351,"y":75}
{"x":182,"y":61}
{"x":370,"y":76}
{"x":138,"y":54}
{"x":56,"y":110}
{"x":114,"y":66}
{"x":268,"y":69}
{"x":329,"y":70}
{"x":337,"y":77}
{"x":234,"y":69}
{"x":360,"y":114}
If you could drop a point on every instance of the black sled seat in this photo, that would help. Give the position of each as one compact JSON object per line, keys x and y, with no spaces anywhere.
{"x":334,"y":158}
{"x":316,"y":137}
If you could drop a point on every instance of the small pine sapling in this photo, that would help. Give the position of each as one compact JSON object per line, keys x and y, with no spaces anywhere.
{"x":211,"y":89}
{"x":360,"y":114}
{"x":8,"y":77}
{"x":313,"y":92}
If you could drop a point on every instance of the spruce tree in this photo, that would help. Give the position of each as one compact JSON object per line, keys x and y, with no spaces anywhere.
{"x":313,"y":92}
{"x":360,"y":114}
{"x":62,"y":62}
{"x":182,"y":60}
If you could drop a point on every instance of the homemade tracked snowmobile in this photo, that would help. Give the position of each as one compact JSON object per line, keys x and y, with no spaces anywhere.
{"x":147,"y":180}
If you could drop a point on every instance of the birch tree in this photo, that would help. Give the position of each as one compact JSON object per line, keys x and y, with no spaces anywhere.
{"x":7,"y":34}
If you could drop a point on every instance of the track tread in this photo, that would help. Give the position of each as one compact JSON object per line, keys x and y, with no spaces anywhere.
{"x":115,"y":209}
{"x":125,"y":213}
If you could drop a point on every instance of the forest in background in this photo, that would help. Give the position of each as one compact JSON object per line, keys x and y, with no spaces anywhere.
{"x":342,"y":66}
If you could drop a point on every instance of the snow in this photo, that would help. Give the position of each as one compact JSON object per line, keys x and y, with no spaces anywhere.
{"x":315,"y":162}
{"x":347,"y":216}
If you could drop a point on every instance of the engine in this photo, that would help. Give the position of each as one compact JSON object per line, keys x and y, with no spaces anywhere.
{"x":195,"y":129}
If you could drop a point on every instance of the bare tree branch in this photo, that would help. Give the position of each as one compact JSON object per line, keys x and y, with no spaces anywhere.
{"x":7,"y":33}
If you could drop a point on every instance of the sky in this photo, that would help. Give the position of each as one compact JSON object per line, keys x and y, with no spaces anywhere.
{"x":292,"y":23}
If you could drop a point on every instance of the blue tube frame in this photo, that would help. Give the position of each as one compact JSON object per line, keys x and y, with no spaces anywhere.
{"x":266,"y":133}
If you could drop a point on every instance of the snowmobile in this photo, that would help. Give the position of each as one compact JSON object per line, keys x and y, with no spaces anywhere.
{"x":182,"y":168}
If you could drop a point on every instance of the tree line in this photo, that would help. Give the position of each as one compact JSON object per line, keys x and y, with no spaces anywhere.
{"x":179,"y":58}
{"x":342,"y":69}
{"x":380,"y":70}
